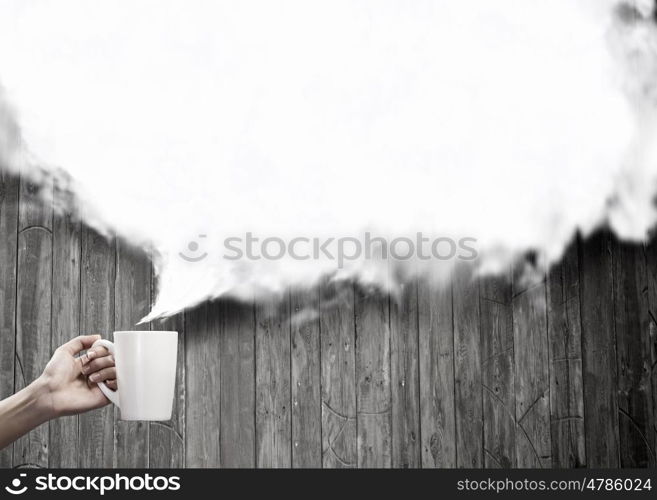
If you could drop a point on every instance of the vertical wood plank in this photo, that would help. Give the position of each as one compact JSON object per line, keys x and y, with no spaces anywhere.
{"x":237,"y":338}
{"x":636,"y":418}
{"x":132,"y":294}
{"x":166,"y":441}
{"x":565,"y":343}
{"x":438,"y":424}
{"x":65,"y":325}
{"x":97,"y":258}
{"x":273,"y":414}
{"x":532,"y":377}
{"x":33,"y":307}
{"x":338,"y":348}
{"x":651,"y":347}
{"x":498,"y":374}
{"x":9,"y":194}
{"x":467,"y":370}
{"x":202,"y":344}
{"x":405,"y":386}
{"x":373,"y":396}
{"x":306,"y":372}
{"x":599,"y":352}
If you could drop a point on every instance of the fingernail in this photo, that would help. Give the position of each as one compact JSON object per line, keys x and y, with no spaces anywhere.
{"x":91,"y":354}
{"x":94,"y":377}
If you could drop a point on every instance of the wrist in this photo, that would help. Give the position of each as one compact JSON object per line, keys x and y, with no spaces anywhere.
{"x":41,"y":393}
{"x":25,"y":410}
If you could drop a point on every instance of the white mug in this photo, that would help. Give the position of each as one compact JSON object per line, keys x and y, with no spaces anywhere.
{"x":145,"y":373}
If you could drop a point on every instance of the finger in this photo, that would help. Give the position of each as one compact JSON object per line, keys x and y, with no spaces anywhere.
{"x":80,"y":343}
{"x":104,"y":374}
{"x":112,"y":384}
{"x":98,"y":364}
{"x":96,"y":352}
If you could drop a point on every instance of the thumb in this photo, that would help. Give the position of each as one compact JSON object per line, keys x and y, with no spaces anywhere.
{"x":80,"y":343}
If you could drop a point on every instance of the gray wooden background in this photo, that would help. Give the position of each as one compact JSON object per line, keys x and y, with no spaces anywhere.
{"x":559,"y":372}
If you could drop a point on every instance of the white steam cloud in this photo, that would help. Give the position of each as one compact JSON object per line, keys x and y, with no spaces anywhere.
{"x":515,"y":122}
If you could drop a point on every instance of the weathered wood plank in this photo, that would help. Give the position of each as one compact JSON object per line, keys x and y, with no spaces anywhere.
{"x":33,"y":307}
{"x":498,"y":371}
{"x":237,"y":354}
{"x":166,"y":443}
{"x":9,"y":194}
{"x":306,"y":402}
{"x":338,"y":361}
{"x":97,"y":258}
{"x":565,"y":343}
{"x":203,"y":393}
{"x":373,"y":396}
{"x":532,"y":377}
{"x":404,"y":338}
{"x":65,"y":325}
{"x":636,"y":419}
{"x":599,"y":352}
{"x":436,"y":346}
{"x":132,"y":294}
{"x":651,"y":348}
{"x":467,"y":369}
{"x":273,"y":391}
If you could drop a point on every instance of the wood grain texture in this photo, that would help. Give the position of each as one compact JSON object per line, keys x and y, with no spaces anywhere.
{"x":166,"y":442}
{"x":436,"y":359}
{"x":599,"y":352}
{"x":498,"y":372}
{"x":565,"y":344}
{"x":203,"y":393}
{"x":532,"y":377}
{"x":65,"y":325}
{"x":404,"y":354}
{"x":651,"y":348}
{"x":9,"y":195}
{"x":33,"y":308}
{"x":97,"y":276}
{"x":273,"y":391}
{"x":306,"y":374}
{"x":338,"y":384}
{"x":237,"y":353}
{"x":132,"y":302}
{"x":373,"y":397}
{"x":467,"y":370}
{"x":632,"y":318}
{"x":547,"y":372}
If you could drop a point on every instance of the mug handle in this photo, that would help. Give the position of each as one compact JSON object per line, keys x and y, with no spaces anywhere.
{"x":113,"y":396}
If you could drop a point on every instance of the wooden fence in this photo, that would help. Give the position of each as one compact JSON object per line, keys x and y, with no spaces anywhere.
{"x":558,"y":372}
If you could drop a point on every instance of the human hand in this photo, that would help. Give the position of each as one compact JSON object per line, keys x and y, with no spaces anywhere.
{"x":68,"y":391}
